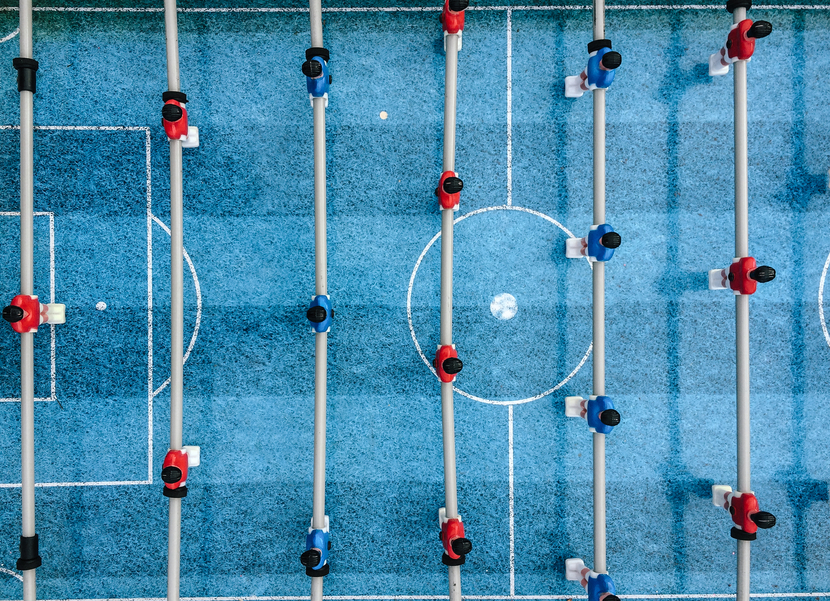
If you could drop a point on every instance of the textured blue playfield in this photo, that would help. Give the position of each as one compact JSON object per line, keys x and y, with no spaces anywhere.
{"x":524,"y":153}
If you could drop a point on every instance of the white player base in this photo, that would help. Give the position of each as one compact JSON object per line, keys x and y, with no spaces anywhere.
{"x":573,"y":406}
{"x":573,"y":248}
{"x":719,"y":491}
{"x":56,"y":313}
{"x":573,"y":87}
{"x":573,"y":569}
{"x":194,"y":455}
{"x":716,"y":67}
{"x":192,"y":140}
{"x":718,"y":279}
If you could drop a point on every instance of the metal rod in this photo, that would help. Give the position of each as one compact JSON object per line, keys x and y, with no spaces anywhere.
{"x":320,"y":241}
{"x":742,"y":306}
{"x":318,"y":518}
{"x":176,"y":304}
{"x":450,"y":90}
{"x":598,"y":278}
{"x":27,"y":378}
{"x":447,"y":219}
{"x":320,"y":364}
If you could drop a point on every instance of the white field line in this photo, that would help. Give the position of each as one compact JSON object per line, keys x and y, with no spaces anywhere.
{"x":198,"y":306}
{"x":147,"y":149}
{"x":10,"y":36}
{"x":821,"y":300}
{"x":51,"y":216}
{"x":404,"y":9}
{"x":509,"y":107}
{"x":510,"y":501}
{"x":418,"y":348}
{"x":11,"y":573}
{"x":443,"y":597}
{"x":148,"y":167}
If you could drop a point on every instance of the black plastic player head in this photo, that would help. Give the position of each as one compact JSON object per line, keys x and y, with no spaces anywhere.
{"x":312,"y":69}
{"x":764,"y":519}
{"x":763,"y":274}
{"x":731,"y":5}
{"x":452,"y":365}
{"x":612,"y":598}
{"x":610,"y":417}
{"x":180,"y":96}
{"x":171,"y":113}
{"x":461,"y":546}
{"x":611,"y":240}
{"x":453,"y":185}
{"x":321,"y":52}
{"x":458,"y":5}
{"x":310,"y":558}
{"x":611,"y":60}
{"x":597,"y":44}
{"x":316,"y":314}
{"x":12,"y":313}
{"x":171,"y":474}
{"x":759,"y":29}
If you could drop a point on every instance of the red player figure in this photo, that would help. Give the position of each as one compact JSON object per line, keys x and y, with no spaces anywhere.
{"x":174,"y":117}
{"x":449,"y":190}
{"x":744,"y":510}
{"x":26,"y":313}
{"x":174,"y":470}
{"x":452,"y":17}
{"x":742,"y":276}
{"x":740,"y":44}
{"x":447,"y":363}
{"x":456,"y":546}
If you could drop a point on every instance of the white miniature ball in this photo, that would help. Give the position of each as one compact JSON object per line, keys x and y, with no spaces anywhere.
{"x":101,"y":306}
{"x":504,"y":306}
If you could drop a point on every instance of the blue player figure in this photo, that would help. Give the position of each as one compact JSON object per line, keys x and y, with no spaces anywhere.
{"x":600,"y":587}
{"x":598,"y":411}
{"x":598,"y":245}
{"x":599,"y":74}
{"x":315,"y":557}
{"x":320,"y":314}
{"x":316,"y":71}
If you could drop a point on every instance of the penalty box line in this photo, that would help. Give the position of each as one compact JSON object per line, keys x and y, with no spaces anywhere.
{"x":52,"y":396}
{"x":149,"y":217}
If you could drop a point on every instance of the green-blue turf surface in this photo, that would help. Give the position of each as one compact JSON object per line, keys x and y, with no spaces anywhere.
{"x":249,"y":233}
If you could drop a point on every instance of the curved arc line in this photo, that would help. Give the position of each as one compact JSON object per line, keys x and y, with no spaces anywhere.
{"x":412,"y":327}
{"x":198,"y":307}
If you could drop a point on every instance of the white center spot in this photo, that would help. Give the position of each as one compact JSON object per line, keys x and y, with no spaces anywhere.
{"x":384,"y":114}
{"x":504,"y":306}
{"x":101,"y":306}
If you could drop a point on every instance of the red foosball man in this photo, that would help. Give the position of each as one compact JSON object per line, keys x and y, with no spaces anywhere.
{"x":26,"y":313}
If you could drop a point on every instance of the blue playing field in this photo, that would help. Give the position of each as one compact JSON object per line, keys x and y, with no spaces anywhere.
{"x":524,"y":152}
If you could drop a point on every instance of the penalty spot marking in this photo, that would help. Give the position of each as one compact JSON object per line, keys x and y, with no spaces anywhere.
{"x":504,"y":306}
{"x":412,"y":328}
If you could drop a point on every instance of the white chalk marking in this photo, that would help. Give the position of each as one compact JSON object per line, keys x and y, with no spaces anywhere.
{"x":510,"y":497}
{"x":11,"y":573}
{"x":428,"y":363}
{"x":821,"y":300}
{"x":147,"y":150}
{"x":198,"y":306}
{"x":10,"y":36}
{"x":509,"y":107}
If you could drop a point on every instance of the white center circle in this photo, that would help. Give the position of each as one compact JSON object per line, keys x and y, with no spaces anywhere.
{"x":504,"y":306}
{"x":428,"y":360}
